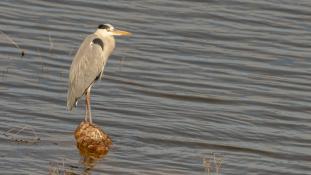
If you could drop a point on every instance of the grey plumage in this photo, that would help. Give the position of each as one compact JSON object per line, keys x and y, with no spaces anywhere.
{"x":87,"y":65}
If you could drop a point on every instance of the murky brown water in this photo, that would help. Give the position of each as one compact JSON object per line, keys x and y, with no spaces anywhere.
{"x":231,"y":77}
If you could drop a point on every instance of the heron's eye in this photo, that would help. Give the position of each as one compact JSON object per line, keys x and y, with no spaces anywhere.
{"x":109,"y":29}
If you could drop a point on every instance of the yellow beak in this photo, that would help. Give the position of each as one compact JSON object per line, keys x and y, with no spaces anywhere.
{"x":121,"y":33}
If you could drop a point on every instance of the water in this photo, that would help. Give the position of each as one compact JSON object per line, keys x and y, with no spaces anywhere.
{"x":228,"y":77}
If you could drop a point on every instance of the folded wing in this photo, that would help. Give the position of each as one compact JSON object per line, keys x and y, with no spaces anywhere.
{"x":86,"y":66}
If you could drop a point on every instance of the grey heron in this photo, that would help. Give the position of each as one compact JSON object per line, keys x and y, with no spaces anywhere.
{"x":88,"y":65}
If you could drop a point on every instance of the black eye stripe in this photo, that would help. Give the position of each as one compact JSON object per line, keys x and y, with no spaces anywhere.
{"x":103,"y":26}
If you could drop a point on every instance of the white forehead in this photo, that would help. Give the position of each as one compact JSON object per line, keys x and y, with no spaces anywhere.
{"x":110,"y":26}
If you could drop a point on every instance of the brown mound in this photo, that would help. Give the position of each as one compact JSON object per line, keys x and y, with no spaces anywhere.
{"x":91,"y":140}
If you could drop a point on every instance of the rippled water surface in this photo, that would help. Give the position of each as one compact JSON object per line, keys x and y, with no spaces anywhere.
{"x":228,"y":77}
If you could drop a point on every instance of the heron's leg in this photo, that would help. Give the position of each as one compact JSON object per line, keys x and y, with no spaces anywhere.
{"x":86,"y":109}
{"x":88,"y":105}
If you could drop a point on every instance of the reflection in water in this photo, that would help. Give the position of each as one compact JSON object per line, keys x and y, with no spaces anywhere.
{"x":92,"y":143}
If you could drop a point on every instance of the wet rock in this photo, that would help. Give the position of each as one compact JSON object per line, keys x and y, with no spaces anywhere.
{"x":92,"y":141}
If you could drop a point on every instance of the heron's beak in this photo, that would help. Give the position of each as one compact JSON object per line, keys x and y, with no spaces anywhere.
{"x":117,"y":32}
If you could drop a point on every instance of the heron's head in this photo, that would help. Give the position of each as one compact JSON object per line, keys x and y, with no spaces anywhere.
{"x":108,"y":29}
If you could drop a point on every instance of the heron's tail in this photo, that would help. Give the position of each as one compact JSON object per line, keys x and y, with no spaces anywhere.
{"x":71,"y":101}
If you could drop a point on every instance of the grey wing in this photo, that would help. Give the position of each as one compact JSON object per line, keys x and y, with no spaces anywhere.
{"x":86,"y":66}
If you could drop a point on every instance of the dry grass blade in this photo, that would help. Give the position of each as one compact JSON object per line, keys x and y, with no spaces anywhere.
{"x":54,"y":169}
{"x":211,"y":161}
{"x":51,"y":43}
{"x":207,"y":164}
{"x":20,"y":134}
{"x":13,"y":42}
{"x":218,"y":161}
{"x":59,"y":168}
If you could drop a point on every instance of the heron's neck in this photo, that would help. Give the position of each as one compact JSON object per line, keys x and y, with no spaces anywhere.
{"x":109,"y":41}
